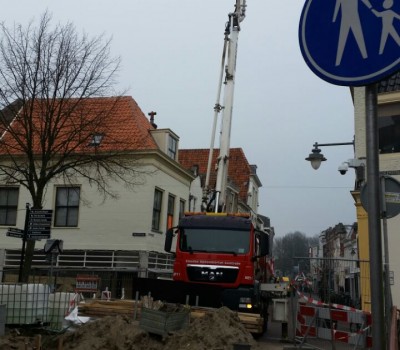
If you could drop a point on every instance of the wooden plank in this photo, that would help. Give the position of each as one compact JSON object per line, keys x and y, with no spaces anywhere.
{"x":251,"y":320}
{"x":105,"y":311}
{"x":101,"y":308}
{"x":97,"y":308}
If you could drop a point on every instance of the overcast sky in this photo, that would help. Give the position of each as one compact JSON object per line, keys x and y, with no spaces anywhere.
{"x":171,"y":53}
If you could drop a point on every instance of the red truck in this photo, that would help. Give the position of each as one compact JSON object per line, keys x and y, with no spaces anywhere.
{"x":225,"y":250}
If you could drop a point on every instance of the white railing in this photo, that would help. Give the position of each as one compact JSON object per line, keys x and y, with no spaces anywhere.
{"x":93,"y":259}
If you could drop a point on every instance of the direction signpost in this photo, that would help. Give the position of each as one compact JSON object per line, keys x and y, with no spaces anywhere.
{"x":356,"y":43}
{"x":39,"y":224}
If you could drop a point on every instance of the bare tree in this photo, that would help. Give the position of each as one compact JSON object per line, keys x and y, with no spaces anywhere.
{"x":290,"y":246}
{"x":50,"y":77}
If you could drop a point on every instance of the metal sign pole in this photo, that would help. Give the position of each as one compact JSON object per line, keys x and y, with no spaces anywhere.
{"x":24,"y":238}
{"x":374,"y":227}
{"x":388,"y":293}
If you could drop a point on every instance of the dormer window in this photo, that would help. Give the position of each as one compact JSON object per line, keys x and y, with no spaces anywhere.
{"x":195,"y":170}
{"x":172,"y":146}
{"x":167,"y":142}
{"x":96,"y":140}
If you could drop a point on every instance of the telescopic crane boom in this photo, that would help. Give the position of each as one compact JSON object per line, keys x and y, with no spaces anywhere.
{"x":228,"y":65}
{"x":226,"y":253}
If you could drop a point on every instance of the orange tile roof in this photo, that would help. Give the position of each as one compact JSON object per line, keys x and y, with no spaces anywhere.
{"x":239,"y":170}
{"x":119,"y":119}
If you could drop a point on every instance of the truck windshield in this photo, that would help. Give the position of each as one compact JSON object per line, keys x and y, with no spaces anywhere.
{"x":215,"y":240}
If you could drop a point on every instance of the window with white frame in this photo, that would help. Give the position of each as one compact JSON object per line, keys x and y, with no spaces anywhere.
{"x":170,"y":211}
{"x":254,"y":199}
{"x":230,"y":201}
{"x":157,"y":206}
{"x":172,"y":146}
{"x":67,"y":206}
{"x":182,"y":204}
{"x":8,"y":205}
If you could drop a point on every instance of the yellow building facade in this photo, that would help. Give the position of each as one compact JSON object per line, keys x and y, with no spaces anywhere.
{"x":389,"y":164}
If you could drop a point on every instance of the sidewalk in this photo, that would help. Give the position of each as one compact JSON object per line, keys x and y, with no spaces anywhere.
{"x":273,"y":339}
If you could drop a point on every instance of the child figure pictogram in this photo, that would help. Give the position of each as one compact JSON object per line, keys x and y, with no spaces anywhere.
{"x":388,"y":28}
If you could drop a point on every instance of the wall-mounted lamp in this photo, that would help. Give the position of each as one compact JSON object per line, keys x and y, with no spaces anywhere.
{"x":316,"y":157}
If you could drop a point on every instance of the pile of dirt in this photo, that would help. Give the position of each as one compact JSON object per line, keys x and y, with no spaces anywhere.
{"x":219,"y":329}
{"x":110,"y":332}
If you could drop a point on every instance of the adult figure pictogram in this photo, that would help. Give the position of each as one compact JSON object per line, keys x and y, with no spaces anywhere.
{"x":350,"y":20}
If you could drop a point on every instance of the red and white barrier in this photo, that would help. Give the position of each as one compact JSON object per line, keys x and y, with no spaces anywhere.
{"x":329,"y":322}
{"x":333,"y":305}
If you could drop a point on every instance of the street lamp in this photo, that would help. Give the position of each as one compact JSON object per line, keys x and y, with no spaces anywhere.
{"x":316,"y":157}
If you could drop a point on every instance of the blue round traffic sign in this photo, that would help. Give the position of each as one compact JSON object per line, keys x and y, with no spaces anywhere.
{"x":351,"y":42}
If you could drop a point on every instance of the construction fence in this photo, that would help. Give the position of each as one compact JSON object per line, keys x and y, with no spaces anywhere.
{"x":336,"y":280}
{"x":332,"y":303}
{"x":91,"y":283}
{"x":50,"y":296}
{"x":327,"y":325}
{"x":34,"y":304}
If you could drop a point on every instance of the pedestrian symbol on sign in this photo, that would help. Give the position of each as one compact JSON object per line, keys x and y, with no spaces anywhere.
{"x":351,"y":42}
{"x":388,"y":27}
{"x":350,"y":22}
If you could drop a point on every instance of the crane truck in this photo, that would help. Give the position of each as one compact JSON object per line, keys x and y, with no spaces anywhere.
{"x":215,"y":248}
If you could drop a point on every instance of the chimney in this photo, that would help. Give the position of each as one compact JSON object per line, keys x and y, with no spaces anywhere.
{"x":152,"y":114}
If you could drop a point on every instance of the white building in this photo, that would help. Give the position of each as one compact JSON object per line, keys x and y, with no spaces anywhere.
{"x":123,"y":233}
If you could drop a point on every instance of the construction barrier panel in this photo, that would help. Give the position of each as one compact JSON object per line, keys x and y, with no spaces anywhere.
{"x":338,"y":323}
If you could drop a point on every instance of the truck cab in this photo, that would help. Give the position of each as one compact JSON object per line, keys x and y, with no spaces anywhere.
{"x":224,"y":250}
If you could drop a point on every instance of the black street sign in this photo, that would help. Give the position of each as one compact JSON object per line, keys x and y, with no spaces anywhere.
{"x":39,"y":228}
{"x":38,"y":237}
{"x":41,"y":214}
{"x":39,"y":223}
{"x":138,"y":234}
{"x":39,"y":231}
{"x":33,"y":212}
{"x":34,"y":220}
{"x":15,"y":232}
{"x":45,"y":234}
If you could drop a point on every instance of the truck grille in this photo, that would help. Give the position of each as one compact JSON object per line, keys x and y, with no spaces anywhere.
{"x":212,"y":274}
